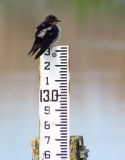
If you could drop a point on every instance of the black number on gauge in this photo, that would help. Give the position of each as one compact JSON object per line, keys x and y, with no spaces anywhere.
{"x":46,"y":125}
{"x":47,"y":154}
{"x":49,"y":96}
{"x":48,"y":52}
{"x":47,"y":109}
{"x":47,"y":81}
{"x":48,"y":138}
{"x":47,"y":66}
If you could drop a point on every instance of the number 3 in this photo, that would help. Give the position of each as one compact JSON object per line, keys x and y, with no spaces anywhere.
{"x":47,"y":96}
{"x":48,"y":53}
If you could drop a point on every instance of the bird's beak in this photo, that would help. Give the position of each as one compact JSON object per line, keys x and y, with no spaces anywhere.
{"x":58,"y":20}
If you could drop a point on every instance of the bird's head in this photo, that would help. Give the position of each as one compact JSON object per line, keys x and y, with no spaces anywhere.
{"x":52,"y":20}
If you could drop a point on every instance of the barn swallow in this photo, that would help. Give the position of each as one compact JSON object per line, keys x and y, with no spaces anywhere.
{"x":45,"y":34}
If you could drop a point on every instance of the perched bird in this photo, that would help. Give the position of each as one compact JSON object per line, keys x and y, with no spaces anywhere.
{"x":45,"y":34}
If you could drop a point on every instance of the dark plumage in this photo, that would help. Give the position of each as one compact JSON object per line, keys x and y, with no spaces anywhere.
{"x":46,"y":33}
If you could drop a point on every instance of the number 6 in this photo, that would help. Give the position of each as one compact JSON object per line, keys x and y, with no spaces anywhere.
{"x":47,"y":154}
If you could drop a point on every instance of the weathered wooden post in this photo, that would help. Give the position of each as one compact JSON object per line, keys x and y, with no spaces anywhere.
{"x":54,"y":142}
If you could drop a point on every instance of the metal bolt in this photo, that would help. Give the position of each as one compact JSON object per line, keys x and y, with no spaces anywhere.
{"x":54,"y":54}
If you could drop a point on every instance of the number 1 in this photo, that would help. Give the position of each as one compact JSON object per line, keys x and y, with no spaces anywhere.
{"x":47,"y":83}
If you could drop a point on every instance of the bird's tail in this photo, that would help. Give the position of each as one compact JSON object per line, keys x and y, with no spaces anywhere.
{"x":34,"y":49}
{"x":29,"y":52}
{"x":43,"y":48}
{"x":40,"y":53}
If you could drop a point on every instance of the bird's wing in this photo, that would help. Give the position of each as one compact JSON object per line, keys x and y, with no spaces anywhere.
{"x":51,"y":33}
{"x":48,"y":38}
{"x":44,"y":47}
{"x":40,"y":28}
{"x":36,"y":45}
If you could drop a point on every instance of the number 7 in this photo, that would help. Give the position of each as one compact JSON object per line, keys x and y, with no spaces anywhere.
{"x":48,"y":139}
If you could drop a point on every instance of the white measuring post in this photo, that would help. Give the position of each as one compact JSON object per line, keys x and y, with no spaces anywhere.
{"x":54,"y":104}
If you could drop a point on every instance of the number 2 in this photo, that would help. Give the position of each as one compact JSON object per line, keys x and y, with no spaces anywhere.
{"x":47,"y":66}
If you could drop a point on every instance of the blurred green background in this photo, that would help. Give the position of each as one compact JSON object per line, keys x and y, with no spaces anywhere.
{"x":95,"y":31}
